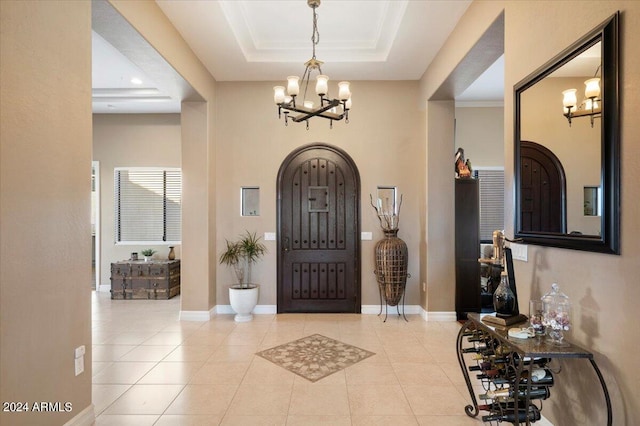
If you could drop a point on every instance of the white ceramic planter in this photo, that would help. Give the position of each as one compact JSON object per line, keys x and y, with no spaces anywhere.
{"x":243,"y":300}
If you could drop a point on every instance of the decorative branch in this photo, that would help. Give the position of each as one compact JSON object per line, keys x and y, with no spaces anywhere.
{"x":389,"y":220}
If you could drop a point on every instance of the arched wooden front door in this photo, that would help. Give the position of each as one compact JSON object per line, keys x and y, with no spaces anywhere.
{"x":318,"y":231}
{"x":543,"y":189}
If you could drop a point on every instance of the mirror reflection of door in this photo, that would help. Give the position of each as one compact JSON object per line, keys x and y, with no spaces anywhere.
{"x":577,"y":146}
{"x":542,"y":189}
{"x":318,"y":232}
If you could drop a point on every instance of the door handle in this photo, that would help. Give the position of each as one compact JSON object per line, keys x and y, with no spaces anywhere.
{"x":285,"y":244}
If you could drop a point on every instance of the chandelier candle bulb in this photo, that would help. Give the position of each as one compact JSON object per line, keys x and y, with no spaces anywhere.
{"x":322,"y":85}
{"x":592,"y":89}
{"x":278,"y":94}
{"x":293,"y":88}
{"x":343,"y":91}
{"x":569,"y":100}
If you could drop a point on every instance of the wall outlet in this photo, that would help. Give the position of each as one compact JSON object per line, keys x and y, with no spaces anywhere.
{"x":519,"y":251}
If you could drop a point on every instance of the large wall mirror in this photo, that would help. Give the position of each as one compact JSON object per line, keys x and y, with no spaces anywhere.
{"x":567,"y":154}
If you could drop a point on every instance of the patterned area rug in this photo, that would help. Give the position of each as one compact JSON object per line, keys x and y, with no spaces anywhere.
{"x":315,"y":357}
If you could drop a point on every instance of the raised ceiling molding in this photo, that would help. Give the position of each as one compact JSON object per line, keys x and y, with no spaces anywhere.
{"x":350,"y":31}
{"x":267,"y":40}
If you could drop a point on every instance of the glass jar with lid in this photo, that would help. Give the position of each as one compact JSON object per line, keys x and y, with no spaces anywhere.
{"x":557,"y":314}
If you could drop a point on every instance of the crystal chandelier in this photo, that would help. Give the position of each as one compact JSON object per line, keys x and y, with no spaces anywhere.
{"x":331,"y":109}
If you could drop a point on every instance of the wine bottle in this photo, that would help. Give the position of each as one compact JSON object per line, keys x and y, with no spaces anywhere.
{"x":484,"y":365}
{"x":479,"y":347}
{"x":531,"y":414}
{"x":534,"y":393}
{"x":498,"y":406}
{"x":489,"y":374}
{"x":539,"y":377}
{"x":540,"y":362}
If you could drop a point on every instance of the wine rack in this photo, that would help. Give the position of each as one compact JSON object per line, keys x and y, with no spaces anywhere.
{"x":517,"y":375}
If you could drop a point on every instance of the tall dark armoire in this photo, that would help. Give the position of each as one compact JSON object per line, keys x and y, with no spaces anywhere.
{"x":467,"y":246}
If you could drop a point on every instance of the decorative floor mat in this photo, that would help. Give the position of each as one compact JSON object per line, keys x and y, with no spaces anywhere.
{"x":315,"y":357}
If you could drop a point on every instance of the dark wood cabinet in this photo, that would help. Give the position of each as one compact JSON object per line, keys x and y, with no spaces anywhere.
{"x":467,"y":246}
{"x":157,"y":279}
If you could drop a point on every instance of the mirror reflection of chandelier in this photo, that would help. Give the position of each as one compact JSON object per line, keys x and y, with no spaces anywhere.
{"x":331,"y":109}
{"x":591,"y":106}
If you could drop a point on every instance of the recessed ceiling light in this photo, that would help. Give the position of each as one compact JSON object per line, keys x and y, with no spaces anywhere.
{"x":136,"y":80}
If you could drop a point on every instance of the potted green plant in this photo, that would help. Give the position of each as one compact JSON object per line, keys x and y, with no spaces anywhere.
{"x":147,"y":253}
{"x":243,"y":296}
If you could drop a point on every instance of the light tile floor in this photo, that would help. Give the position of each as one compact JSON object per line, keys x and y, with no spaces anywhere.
{"x":149,"y":368}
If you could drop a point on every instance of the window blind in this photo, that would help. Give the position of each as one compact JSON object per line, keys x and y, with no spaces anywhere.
{"x":148,"y":205}
{"x":491,"y":201}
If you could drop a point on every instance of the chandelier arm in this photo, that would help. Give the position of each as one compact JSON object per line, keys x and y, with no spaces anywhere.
{"x":320,"y":112}
{"x":305,"y":80}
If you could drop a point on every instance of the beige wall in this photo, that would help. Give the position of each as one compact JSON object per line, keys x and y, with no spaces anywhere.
{"x":130,"y":140}
{"x":480,"y":131}
{"x":45,"y":175}
{"x":603,"y":288}
{"x":384,"y":138}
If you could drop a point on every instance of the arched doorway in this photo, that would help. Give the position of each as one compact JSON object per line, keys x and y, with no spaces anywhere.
{"x":318,"y":215}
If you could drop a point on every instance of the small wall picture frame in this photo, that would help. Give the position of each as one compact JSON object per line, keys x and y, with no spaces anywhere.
{"x":250,"y":201}
{"x":592,"y":201}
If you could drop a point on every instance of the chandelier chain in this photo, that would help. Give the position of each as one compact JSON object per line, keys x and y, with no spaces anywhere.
{"x":315,"y":36}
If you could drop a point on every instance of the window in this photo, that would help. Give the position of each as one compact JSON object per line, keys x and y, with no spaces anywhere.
{"x":147,"y":205}
{"x":491,"y":201}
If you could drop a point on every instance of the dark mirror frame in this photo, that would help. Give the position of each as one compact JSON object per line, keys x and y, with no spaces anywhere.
{"x":609,"y":240}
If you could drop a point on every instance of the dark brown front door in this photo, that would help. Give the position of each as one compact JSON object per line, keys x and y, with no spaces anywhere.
{"x":318,"y":231}
{"x":543,"y":187}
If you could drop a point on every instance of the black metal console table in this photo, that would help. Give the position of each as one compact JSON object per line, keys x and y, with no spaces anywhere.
{"x":517,"y":357}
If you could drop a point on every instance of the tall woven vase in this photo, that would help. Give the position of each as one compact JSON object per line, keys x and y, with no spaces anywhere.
{"x":391,"y":266}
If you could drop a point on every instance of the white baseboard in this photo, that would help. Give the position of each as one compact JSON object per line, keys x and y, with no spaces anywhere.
{"x":258,"y":310}
{"x":265,"y":309}
{"x":440,"y":316}
{"x":86,"y":417}
{"x":437,"y":316}
{"x":197,"y":315}
{"x":366,"y":310}
{"x":391,"y":310}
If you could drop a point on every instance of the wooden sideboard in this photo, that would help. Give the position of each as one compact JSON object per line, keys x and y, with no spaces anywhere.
{"x":137,"y":279}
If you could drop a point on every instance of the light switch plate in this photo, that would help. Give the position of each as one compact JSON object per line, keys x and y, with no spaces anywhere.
{"x":366,"y":236}
{"x":269,"y":236}
{"x":519,"y":251}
